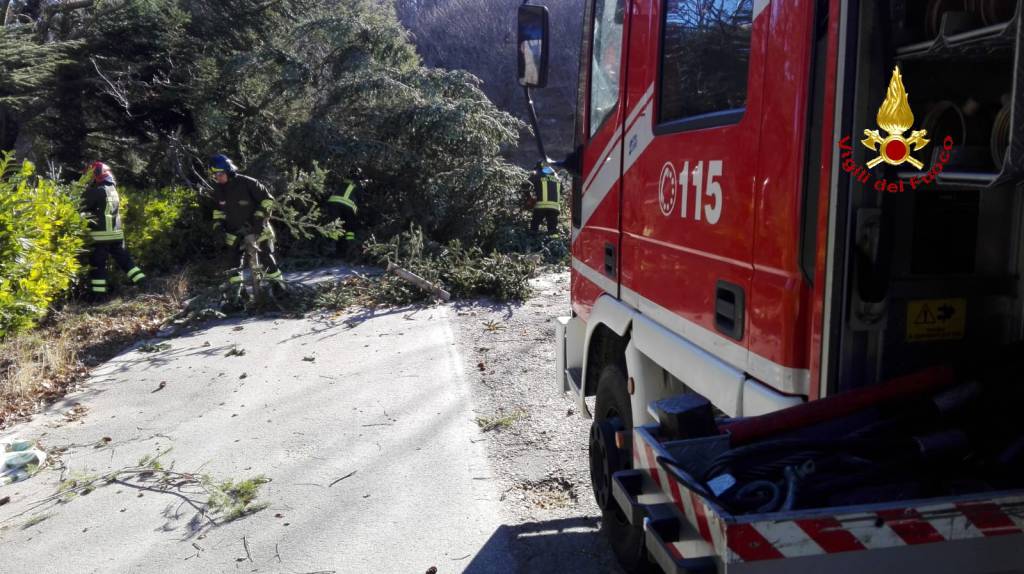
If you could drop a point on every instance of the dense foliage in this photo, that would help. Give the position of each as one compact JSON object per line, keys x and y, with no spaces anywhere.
{"x":298,"y":92}
{"x":165,"y":227}
{"x":465,"y":271}
{"x":40,"y":238}
{"x":154,"y":88}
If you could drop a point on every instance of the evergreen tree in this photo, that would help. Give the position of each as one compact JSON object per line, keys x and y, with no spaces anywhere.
{"x":27,"y":77}
{"x":155,"y":87}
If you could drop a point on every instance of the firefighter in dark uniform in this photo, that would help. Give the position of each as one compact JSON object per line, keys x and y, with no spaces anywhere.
{"x":344,"y":205}
{"x":242,"y":210}
{"x":546,"y":199}
{"x":103,"y":210}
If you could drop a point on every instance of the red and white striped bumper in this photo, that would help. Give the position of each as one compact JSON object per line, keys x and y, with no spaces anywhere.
{"x":990,"y":528}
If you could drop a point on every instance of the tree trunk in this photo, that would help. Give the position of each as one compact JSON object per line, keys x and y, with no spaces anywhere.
{"x":419,"y":282}
{"x":8,"y":131}
{"x":68,"y":142}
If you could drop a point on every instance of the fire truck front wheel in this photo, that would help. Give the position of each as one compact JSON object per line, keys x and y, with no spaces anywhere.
{"x":611,"y":415}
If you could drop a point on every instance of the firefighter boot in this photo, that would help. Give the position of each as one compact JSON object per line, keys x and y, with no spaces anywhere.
{"x":232,"y":295}
{"x":277,"y":285}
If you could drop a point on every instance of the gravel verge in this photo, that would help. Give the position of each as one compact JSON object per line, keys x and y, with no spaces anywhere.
{"x":537,"y":442}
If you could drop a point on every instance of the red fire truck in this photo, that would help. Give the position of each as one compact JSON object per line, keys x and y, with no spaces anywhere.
{"x":796,"y":246}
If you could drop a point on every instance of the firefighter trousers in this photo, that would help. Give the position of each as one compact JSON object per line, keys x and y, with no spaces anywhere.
{"x":267,"y":260}
{"x":549,"y":216}
{"x":98,"y":254}
{"x":349,"y":221}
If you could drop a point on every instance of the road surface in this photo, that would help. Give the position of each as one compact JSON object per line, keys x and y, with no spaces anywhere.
{"x":384,"y":397}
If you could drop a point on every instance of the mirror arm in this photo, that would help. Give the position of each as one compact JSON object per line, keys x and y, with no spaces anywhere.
{"x":535,"y":124}
{"x":571,"y":163}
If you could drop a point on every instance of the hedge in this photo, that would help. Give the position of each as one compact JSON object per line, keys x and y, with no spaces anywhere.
{"x":41,"y":235}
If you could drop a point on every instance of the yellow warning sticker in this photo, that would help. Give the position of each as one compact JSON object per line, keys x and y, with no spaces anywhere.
{"x":936,"y":319}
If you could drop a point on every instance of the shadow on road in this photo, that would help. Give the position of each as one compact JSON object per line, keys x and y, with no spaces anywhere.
{"x":328,"y":328}
{"x":161,"y":359}
{"x":484,"y":305}
{"x":563,"y":546}
{"x":336,"y":272}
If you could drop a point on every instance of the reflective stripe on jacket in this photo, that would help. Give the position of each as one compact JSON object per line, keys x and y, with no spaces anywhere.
{"x":103,"y":208}
{"x":241,"y":204}
{"x":346,"y":198}
{"x":549,"y":193}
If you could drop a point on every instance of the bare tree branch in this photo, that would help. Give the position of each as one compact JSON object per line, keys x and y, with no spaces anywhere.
{"x":54,"y":9}
{"x":113,"y":90}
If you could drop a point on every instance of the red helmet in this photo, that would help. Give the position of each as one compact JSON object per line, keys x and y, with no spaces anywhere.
{"x":100,"y":172}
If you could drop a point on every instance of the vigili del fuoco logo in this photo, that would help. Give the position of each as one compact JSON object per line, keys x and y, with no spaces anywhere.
{"x":895,"y":118}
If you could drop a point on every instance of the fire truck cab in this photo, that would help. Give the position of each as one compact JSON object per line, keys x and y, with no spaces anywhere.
{"x":758,"y":223}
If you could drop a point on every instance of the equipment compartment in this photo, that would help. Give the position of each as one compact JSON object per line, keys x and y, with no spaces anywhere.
{"x":930,"y":256}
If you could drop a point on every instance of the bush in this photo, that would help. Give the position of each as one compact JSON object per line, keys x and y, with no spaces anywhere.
{"x":298,"y":214}
{"x":464,"y":271}
{"x":165,"y":227}
{"x":440,"y":167}
{"x":515,"y":237}
{"x":40,"y":237}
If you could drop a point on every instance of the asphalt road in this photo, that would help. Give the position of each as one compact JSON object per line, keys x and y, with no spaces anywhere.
{"x":308,"y":403}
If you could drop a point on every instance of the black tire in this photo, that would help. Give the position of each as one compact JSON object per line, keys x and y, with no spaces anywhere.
{"x":613,"y":414}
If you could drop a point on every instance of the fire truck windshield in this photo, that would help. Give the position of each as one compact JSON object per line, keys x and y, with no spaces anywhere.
{"x":606,"y":62}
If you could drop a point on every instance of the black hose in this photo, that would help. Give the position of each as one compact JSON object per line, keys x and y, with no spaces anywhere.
{"x":674,"y":468}
{"x":750,"y":497}
{"x":743,"y":459}
{"x":793,"y":477}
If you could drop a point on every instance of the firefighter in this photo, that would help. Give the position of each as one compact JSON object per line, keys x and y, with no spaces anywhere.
{"x":103,"y":209}
{"x":343,"y":205}
{"x":242,"y":211}
{"x":545,"y":199}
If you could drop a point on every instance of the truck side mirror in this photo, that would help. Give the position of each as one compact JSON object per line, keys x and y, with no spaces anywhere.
{"x":532,"y":46}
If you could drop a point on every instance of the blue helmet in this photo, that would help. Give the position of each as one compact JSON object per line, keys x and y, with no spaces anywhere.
{"x":546,"y":170}
{"x":221,"y":163}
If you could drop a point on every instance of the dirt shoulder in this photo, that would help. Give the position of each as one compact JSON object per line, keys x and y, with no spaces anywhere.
{"x":42,"y":365}
{"x":537,"y":442}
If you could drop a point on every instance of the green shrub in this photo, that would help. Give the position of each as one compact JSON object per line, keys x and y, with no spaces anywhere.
{"x":165,"y":227}
{"x":515,"y":237}
{"x":464,"y":271}
{"x":41,"y":235}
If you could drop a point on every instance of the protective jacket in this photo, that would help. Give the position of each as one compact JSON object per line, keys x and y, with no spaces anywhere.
{"x":241,"y":205}
{"x":346,"y":198}
{"x":547,"y":191}
{"x":103,"y":208}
